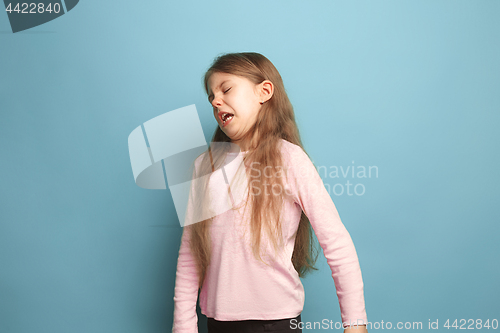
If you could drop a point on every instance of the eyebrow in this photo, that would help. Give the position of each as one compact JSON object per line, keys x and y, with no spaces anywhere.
{"x":220,"y":85}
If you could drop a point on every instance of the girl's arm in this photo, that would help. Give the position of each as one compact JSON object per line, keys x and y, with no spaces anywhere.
{"x":186,"y":289}
{"x":186,"y":279}
{"x":354,"y":329}
{"x":310,"y":193}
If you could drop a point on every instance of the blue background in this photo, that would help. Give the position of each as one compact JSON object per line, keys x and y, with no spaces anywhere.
{"x":410,"y":87}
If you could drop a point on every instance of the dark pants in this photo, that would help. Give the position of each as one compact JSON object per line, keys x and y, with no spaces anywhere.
{"x":251,"y":326}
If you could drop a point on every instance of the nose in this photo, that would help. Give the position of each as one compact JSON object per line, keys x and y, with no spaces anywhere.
{"x":217,"y":102}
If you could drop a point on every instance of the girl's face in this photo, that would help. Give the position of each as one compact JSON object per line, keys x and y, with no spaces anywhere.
{"x":236,"y":100}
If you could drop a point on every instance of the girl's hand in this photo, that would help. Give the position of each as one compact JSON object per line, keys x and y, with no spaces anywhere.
{"x":356,"y":329}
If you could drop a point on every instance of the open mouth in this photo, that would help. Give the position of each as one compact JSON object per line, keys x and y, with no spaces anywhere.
{"x":226,"y":117}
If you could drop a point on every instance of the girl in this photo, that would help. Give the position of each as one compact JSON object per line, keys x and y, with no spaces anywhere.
{"x":224,"y":255}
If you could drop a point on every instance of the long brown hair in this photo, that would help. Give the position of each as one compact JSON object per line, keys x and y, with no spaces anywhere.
{"x":275,"y":121}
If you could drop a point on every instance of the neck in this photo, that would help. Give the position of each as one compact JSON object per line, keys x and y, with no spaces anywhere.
{"x":245,"y":145}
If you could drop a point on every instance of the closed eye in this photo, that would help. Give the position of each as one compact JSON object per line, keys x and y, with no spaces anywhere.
{"x":211,"y":98}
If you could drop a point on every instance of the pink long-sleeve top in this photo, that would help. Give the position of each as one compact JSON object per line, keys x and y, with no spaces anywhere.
{"x":239,"y":287}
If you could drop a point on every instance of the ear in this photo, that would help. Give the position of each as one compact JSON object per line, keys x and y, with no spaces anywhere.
{"x":266,"y":90}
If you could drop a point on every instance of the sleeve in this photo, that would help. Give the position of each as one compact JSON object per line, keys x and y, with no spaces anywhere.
{"x":310,"y":193}
{"x":186,"y":281}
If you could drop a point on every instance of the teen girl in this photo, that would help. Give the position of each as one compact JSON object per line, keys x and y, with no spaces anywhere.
{"x":248,"y":261}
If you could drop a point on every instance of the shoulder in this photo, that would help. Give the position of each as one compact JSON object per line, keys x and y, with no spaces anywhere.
{"x":197,"y":162}
{"x":293,"y":153}
{"x":297,"y":161}
{"x":198,"y":159}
